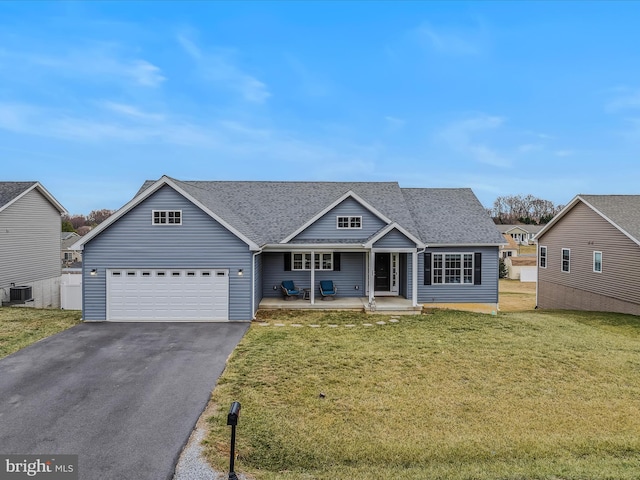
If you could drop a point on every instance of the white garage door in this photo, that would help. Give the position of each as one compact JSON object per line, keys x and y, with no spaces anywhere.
{"x":167,"y":295}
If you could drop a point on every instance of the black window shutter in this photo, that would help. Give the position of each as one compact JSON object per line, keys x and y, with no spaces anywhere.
{"x":427,"y":268}
{"x":336,"y":262}
{"x":287,"y":261}
{"x":477,"y":268}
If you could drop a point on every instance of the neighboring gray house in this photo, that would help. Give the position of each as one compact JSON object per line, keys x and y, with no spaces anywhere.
{"x":194,"y":250}
{"x":589,"y":255}
{"x":30,"y":223}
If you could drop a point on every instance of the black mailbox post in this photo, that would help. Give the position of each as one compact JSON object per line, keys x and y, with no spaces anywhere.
{"x":232,"y":420}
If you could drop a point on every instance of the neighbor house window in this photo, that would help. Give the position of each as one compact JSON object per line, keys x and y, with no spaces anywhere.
{"x":597,"y":262}
{"x":302,"y":261}
{"x":543,"y":257}
{"x":167,"y":217}
{"x":349,"y":222}
{"x":68,"y":256}
{"x":566,"y":260}
{"x":453,"y":268}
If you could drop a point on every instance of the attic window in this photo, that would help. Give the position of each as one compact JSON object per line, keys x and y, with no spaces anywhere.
{"x":349,"y":222}
{"x":166,"y":217}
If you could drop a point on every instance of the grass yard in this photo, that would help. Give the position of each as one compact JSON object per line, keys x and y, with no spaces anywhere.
{"x":516,"y":296}
{"x":450,"y":395}
{"x":20,"y":327}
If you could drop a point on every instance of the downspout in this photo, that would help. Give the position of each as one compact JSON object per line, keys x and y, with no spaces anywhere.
{"x":253,"y":284}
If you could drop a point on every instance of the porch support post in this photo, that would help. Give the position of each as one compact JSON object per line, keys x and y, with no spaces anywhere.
{"x":372,"y":269}
{"x":312,"y":295}
{"x":414,"y":278}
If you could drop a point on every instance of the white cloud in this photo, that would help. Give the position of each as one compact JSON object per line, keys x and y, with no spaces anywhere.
{"x":563,"y":153}
{"x":462,"y":136}
{"x":218,"y":67}
{"x":627,"y":99}
{"x":449,"y":41}
{"x":395,"y":123}
{"x":131,"y":111}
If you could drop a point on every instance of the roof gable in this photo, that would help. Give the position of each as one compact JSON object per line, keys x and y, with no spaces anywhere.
{"x":333,"y":205}
{"x":146,"y":193}
{"x":621,"y":211}
{"x":11,"y":192}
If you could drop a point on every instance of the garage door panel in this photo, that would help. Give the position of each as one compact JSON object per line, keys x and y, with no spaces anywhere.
{"x":161,"y":294}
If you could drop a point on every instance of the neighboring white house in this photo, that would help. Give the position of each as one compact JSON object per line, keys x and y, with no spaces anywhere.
{"x":30,"y":224}
{"x":510,"y":249}
{"x":521,"y":234}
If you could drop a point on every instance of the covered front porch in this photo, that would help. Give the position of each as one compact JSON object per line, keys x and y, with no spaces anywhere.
{"x":381,"y":305}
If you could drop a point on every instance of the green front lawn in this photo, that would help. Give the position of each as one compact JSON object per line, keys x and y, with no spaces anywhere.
{"x":451,"y":395}
{"x":20,"y":327}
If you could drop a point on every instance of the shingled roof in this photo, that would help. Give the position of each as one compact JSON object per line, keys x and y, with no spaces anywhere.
{"x":11,"y":190}
{"x":623,"y":210}
{"x":254,"y":208}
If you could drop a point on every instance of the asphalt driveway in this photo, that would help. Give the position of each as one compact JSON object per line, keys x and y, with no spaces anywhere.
{"x":122,"y":396}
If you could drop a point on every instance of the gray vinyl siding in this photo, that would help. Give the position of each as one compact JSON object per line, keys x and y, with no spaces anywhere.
{"x":487,"y":292}
{"x":133,"y":242}
{"x":583,"y":231}
{"x":29,"y":241}
{"x":394,"y":239}
{"x":352,"y":273}
{"x":326,"y":226}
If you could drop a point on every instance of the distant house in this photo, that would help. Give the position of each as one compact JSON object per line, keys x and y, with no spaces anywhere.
{"x":509,"y":249}
{"x":30,"y":223}
{"x":522,"y":234}
{"x":589,"y":255}
{"x":69,"y":256}
{"x":213,"y":251}
{"x":521,"y":268}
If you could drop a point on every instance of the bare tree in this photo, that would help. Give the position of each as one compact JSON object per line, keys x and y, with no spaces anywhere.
{"x":524,"y":209}
{"x":96,"y":217}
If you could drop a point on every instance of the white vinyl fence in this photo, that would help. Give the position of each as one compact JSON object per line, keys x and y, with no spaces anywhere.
{"x":71,"y":291}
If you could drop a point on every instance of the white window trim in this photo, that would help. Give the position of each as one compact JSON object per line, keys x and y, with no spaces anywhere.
{"x":546,"y":257}
{"x":562,"y":260}
{"x":349,"y":219}
{"x":594,"y":261}
{"x":433,"y":270}
{"x":153,"y":217}
{"x":304,"y":254}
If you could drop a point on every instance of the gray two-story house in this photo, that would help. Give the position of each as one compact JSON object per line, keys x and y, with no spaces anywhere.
{"x":212,"y":251}
{"x":30,"y":223}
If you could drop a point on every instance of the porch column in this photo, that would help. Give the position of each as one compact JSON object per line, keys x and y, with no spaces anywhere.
{"x":414,"y":278}
{"x":312,"y":296}
{"x":370,"y":273}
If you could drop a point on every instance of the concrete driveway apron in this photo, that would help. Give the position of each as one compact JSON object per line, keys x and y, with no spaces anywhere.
{"x":123,"y":396}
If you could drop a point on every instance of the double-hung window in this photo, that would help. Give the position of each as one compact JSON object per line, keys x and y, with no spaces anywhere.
{"x":566,"y":260}
{"x":543,"y":257}
{"x":597,"y":262}
{"x":302,"y":261}
{"x":166,"y":217}
{"x":453,"y":268}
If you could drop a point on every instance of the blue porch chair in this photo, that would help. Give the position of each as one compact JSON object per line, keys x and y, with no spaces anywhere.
{"x":327,"y":289}
{"x":289,"y":290}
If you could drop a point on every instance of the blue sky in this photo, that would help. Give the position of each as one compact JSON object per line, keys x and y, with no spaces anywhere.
{"x":503,"y":97}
